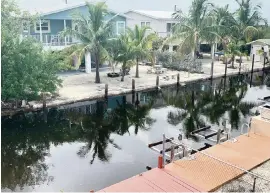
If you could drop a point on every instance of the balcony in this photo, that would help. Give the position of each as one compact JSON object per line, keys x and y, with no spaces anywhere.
{"x":54,"y":42}
{"x":164,"y":34}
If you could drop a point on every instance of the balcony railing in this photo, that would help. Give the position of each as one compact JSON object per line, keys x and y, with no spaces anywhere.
{"x":164,"y":34}
{"x":54,"y":40}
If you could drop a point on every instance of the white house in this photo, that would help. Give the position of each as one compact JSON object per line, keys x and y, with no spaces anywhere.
{"x":256,"y":46}
{"x":160,"y":22}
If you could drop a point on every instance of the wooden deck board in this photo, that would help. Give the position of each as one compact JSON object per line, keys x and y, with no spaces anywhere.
{"x":205,"y":173}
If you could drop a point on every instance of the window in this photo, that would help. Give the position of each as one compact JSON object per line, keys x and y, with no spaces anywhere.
{"x":25,"y":26}
{"x":45,"y":26}
{"x":145,"y":23}
{"x":120,"y":27}
{"x":170,"y":27}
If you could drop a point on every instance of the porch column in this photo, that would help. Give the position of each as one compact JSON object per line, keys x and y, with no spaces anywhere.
{"x":65,"y":27}
{"x":170,"y":48}
{"x":87,"y":62}
{"x":40,"y":31}
{"x":213,"y":51}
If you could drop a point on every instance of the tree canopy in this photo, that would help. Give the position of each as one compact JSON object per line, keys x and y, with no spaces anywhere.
{"x":26,"y":70}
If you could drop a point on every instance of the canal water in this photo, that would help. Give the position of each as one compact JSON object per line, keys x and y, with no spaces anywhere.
{"x":91,"y":145}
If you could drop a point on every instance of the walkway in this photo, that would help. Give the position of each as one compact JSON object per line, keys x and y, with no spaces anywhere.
{"x":81,"y":86}
{"x":204,"y":173}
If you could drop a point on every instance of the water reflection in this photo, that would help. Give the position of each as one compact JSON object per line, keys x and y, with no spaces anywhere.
{"x":27,"y":139}
{"x":194,"y":106}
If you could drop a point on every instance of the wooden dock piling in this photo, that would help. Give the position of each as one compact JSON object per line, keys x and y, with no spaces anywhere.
{"x":133,"y":84}
{"x":106,"y":90}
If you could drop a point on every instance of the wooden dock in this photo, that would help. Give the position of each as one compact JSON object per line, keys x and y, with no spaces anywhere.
{"x":207,"y":171}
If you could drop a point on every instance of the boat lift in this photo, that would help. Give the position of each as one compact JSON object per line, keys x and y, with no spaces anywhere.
{"x":211,"y":133}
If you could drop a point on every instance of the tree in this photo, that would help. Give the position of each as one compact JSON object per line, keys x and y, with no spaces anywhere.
{"x":245,"y":21}
{"x":126,"y":52}
{"x":233,"y":50}
{"x":196,"y":27}
{"x":26,"y":70}
{"x":142,"y":42}
{"x":93,"y":32}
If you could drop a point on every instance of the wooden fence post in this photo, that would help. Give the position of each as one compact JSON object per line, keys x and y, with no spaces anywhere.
{"x":44,"y":101}
{"x":133,"y":84}
{"x":157,"y":81}
{"x":251,"y":78}
{"x":178,"y":79}
{"x":106,"y":90}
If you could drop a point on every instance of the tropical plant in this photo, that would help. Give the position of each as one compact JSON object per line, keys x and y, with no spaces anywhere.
{"x":126,"y":51}
{"x":142,"y":42}
{"x":93,"y":32}
{"x":245,"y":21}
{"x":26,"y":70}
{"x":198,"y":26}
{"x":233,"y":50}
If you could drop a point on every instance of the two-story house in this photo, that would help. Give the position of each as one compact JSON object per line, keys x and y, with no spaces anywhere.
{"x":161,"y":22}
{"x":51,"y":23}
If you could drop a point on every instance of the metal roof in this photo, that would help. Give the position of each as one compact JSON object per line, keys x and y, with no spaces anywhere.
{"x":154,"y":14}
{"x":65,"y":7}
{"x":264,"y":41}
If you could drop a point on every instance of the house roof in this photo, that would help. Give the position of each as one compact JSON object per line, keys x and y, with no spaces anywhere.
{"x":263,"y":41}
{"x":64,"y":7}
{"x":154,"y":14}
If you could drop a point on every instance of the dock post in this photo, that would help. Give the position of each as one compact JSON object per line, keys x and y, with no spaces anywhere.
{"x":160,"y":162}
{"x":163,"y":150}
{"x":106,"y":90}
{"x":251,"y":78}
{"x":240,"y":63}
{"x":157,"y":81}
{"x":133,"y":85}
{"x":44,"y":101}
{"x":225,"y":75}
{"x":218,"y":136}
{"x":212,"y":69}
{"x":172,"y":153}
{"x":178,"y":79}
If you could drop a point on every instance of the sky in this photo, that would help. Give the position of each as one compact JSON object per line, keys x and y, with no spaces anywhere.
{"x":125,"y":5}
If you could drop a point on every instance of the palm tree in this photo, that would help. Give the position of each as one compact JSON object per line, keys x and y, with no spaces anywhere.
{"x":93,"y":32}
{"x":198,"y":26}
{"x":142,"y":42}
{"x":245,"y":21}
{"x":125,"y":52}
{"x":233,"y":50}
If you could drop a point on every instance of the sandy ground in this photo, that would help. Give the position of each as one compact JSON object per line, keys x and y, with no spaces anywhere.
{"x":80,"y":86}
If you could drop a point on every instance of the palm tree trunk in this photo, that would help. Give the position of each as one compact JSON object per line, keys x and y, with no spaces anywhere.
{"x":123,"y":71}
{"x":137,"y":67}
{"x":233,"y":61}
{"x":97,"y":68}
